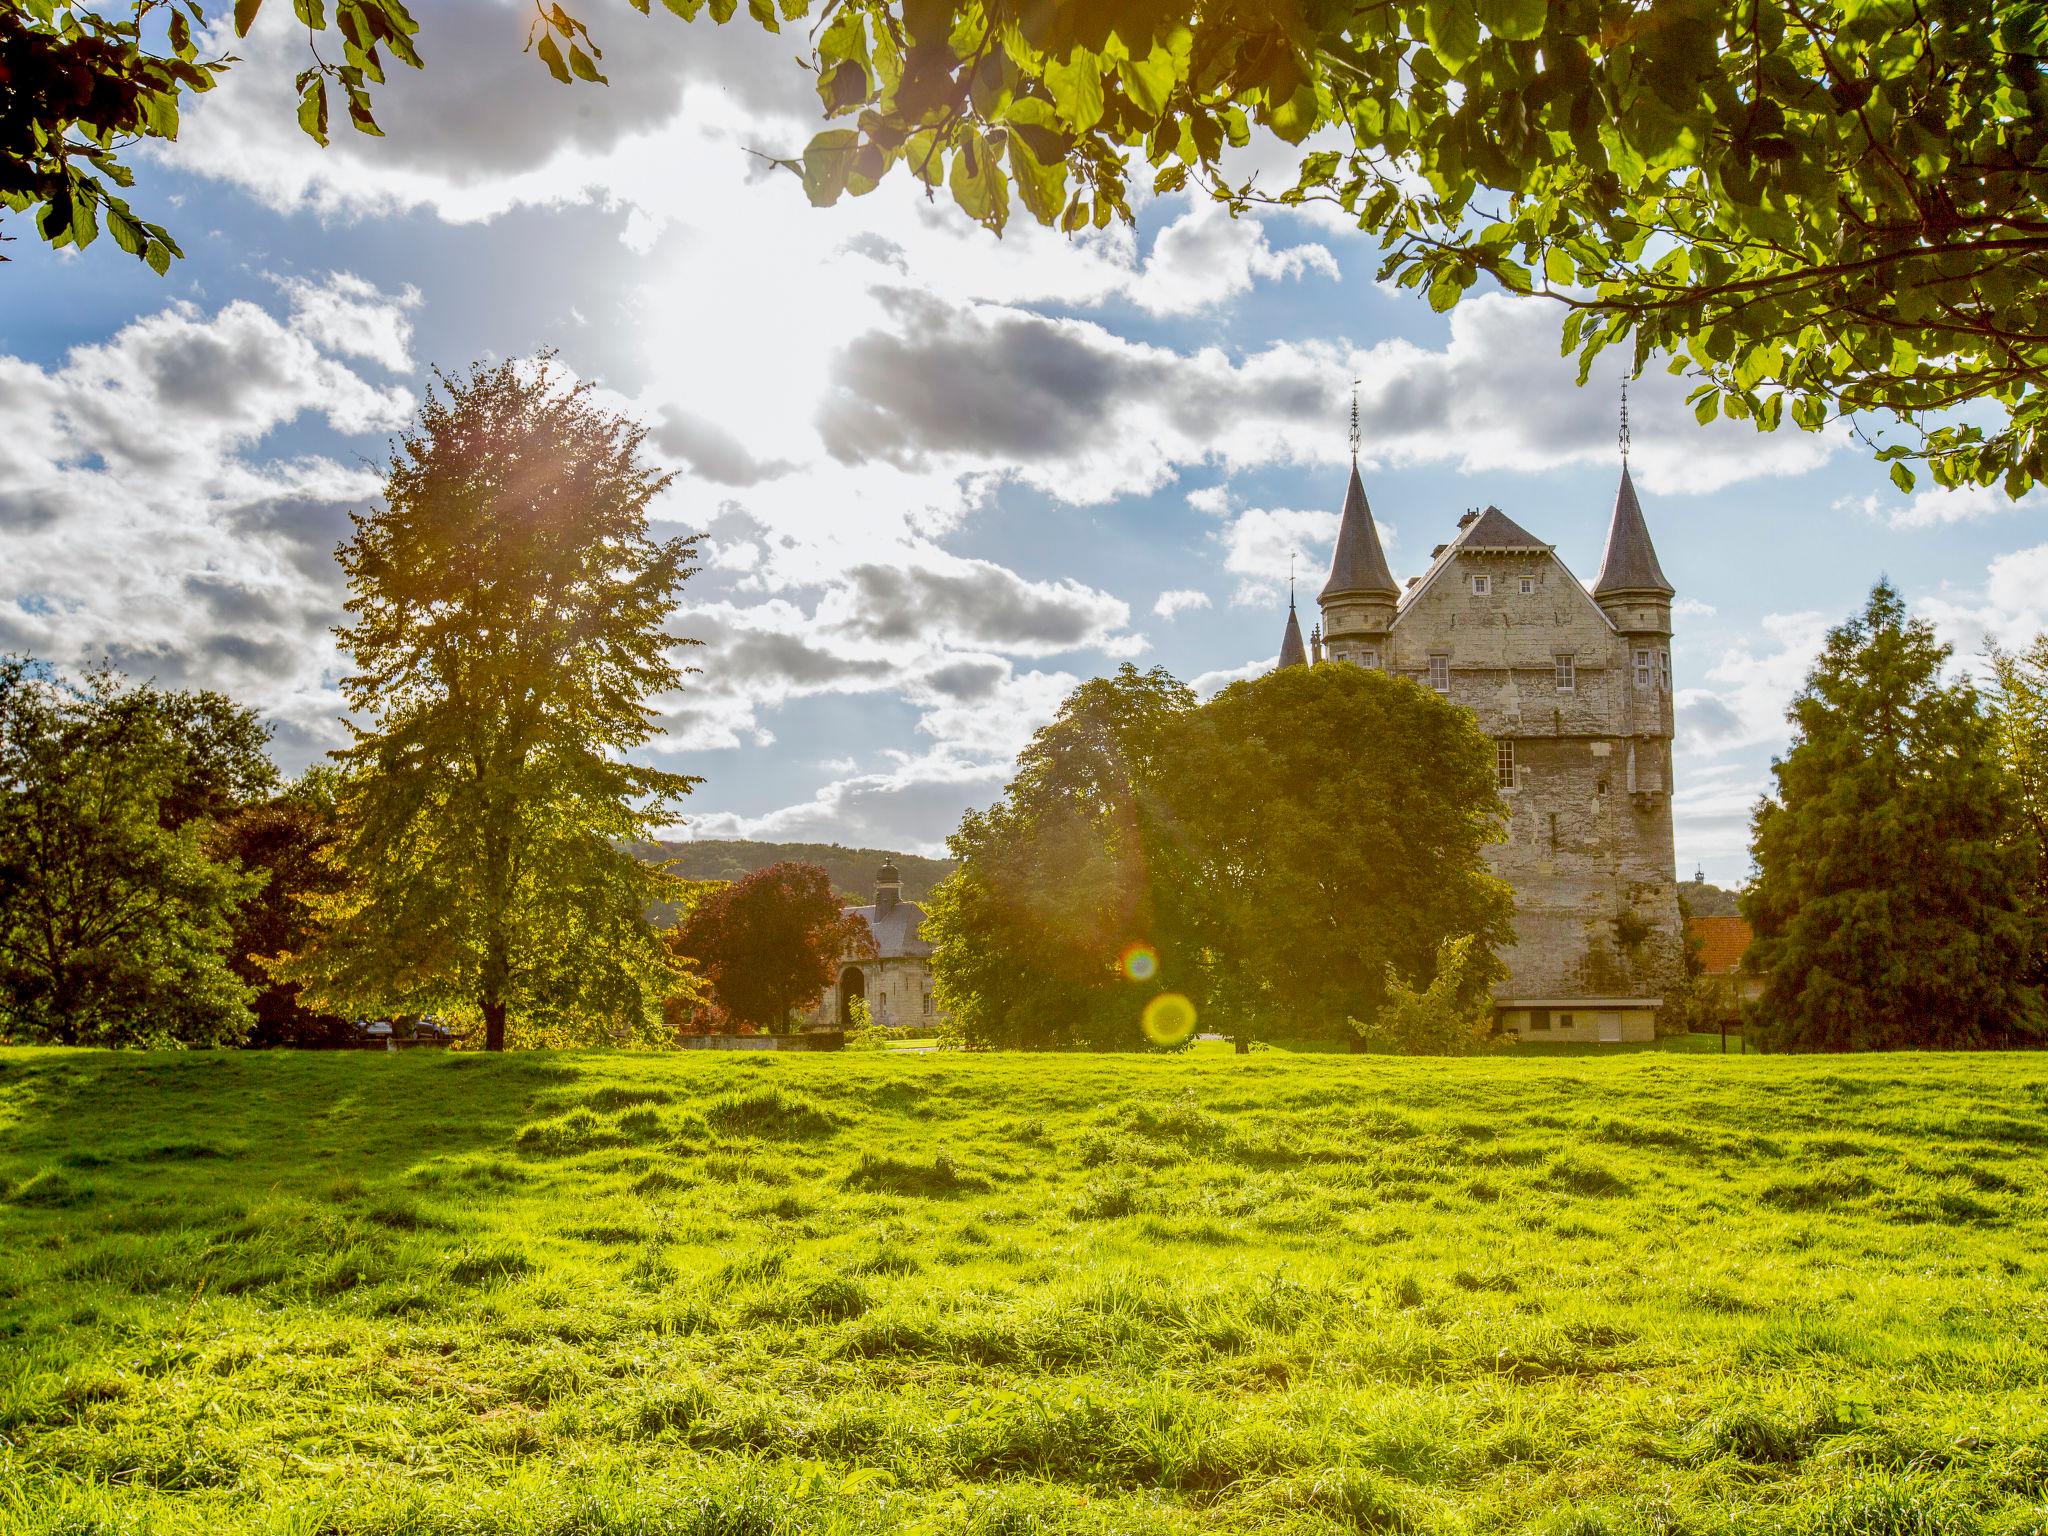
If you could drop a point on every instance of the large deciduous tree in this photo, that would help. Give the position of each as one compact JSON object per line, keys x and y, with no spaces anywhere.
{"x":1055,"y":882}
{"x":114,"y":918}
{"x":1891,"y":902}
{"x":1270,"y":854}
{"x":769,"y":943}
{"x":1332,"y":824}
{"x":509,"y":613}
{"x":1817,"y":207}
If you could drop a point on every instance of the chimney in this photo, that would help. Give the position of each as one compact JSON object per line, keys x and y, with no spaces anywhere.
{"x":888,"y":889}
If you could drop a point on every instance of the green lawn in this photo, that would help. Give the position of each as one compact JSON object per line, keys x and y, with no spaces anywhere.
{"x":744,"y":1294}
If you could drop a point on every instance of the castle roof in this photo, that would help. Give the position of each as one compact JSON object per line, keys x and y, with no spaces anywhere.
{"x":1359,"y":565}
{"x":895,"y":930}
{"x":1494,"y":532}
{"x":1723,"y":942}
{"x":1630,"y":564}
{"x":1292,"y":652}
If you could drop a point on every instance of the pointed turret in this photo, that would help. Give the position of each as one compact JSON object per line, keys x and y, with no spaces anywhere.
{"x":1629,"y":569}
{"x":1359,"y":598}
{"x":1359,"y":568}
{"x":1292,"y":652}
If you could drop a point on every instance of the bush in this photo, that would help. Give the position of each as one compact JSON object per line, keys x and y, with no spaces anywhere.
{"x":1452,"y":1016}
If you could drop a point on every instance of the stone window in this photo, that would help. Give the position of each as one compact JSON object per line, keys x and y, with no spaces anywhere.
{"x":1369,"y":657}
{"x":1528,"y":590}
{"x":1564,"y":1021}
{"x":1504,"y":764}
{"x":1664,"y":671}
{"x":1644,"y":679}
{"x":1440,"y":672}
{"x":1567,"y":672}
{"x":1539,"y":1018}
{"x":927,"y":1005}
{"x":1481,"y":585}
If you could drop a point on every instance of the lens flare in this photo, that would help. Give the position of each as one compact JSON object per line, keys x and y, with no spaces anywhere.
{"x":1141,"y":962}
{"x":1169,"y":1019}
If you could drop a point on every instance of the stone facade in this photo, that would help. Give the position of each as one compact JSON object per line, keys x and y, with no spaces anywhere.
{"x":897,"y":979}
{"x":1574,"y":687}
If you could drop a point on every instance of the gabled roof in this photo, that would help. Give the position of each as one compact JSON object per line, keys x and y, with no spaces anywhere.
{"x":1494,"y":532}
{"x":1359,"y":565}
{"x":896,"y":931}
{"x":1630,"y":564}
{"x":1723,"y":942}
{"x":1292,"y":652}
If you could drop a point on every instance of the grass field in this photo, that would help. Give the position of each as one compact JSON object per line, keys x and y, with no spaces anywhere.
{"x":893,"y":1292}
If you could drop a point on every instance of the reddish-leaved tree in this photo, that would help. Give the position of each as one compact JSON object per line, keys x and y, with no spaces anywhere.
{"x":769,"y":944}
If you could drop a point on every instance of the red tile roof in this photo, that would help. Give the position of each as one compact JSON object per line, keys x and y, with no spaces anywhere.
{"x":1723,"y":941}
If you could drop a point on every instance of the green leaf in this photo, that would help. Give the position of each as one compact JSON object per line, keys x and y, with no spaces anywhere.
{"x":581,"y":64}
{"x":1076,"y":86}
{"x":1451,"y":28}
{"x":828,"y":159}
{"x":245,"y":15}
{"x":1902,"y":477}
{"x":1148,"y":81}
{"x":551,"y":55}
{"x":1519,"y":20}
{"x":313,"y":110}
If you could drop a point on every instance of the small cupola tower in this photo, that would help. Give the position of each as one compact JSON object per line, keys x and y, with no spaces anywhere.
{"x":888,"y":888}
{"x":1358,"y":600}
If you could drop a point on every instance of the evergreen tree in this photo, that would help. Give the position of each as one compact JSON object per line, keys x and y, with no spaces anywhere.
{"x":114,"y":918}
{"x":509,"y":610}
{"x":1891,"y":899}
{"x":2020,"y":714}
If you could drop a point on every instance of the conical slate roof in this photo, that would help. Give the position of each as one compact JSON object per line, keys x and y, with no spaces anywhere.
{"x":1630,"y":564}
{"x":1292,"y":652}
{"x":1359,"y":565}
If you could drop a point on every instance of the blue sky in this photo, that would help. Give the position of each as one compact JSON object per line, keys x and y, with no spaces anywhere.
{"x":941,"y":477}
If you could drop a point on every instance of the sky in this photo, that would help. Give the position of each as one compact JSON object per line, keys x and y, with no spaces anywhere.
{"x":940,"y":477}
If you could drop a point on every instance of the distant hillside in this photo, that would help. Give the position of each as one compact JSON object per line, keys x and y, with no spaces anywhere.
{"x":1704,"y":900}
{"x":852,"y":870}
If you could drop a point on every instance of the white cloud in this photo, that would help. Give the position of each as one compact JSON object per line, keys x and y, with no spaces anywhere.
{"x":1205,"y":257}
{"x":1692,"y":608}
{"x":1936,"y":507}
{"x":144,"y":522}
{"x":2010,"y":609}
{"x":904,"y":807}
{"x":1208,"y":684}
{"x":1178,"y":601}
{"x":1262,"y":544}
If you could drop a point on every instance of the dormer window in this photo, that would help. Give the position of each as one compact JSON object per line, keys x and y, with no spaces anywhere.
{"x":1481,"y":585}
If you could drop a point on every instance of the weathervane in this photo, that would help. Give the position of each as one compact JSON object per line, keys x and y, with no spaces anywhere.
{"x":1290,"y":580}
{"x":1354,"y":423}
{"x":1624,"y":418}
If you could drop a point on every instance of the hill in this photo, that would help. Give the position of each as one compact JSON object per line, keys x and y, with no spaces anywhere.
{"x":852,"y":869}
{"x":1704,"y":900}
{"x":594,"y":1295}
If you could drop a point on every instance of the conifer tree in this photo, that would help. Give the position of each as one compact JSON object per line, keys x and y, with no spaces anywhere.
{"x":509,"y":631}
{"x":1891,"y":896}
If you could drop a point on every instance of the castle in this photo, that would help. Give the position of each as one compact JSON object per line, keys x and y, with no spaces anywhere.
{"x":1574,"y":687}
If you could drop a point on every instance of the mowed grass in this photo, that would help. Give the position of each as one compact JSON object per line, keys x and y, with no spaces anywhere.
{"x":745,"y":1294}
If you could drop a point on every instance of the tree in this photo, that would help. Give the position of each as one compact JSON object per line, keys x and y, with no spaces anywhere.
{"x":2019,"y":714}
{"x":508,"y":633}
{"x":1891,"y":899}
{"x":1817,"y":207}
{"x":1055,"y":885}
{"x":769,"y":943}
{"x":114,"y":921}
{"x":288,"y":840}
{"x":1331,"y":825}
{"x":1269,"y":855}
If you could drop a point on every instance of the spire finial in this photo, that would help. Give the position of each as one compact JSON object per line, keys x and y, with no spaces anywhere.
{"x":1354,"y":423}
{"x":1290,"y":580}
{"x":1624,"y":418}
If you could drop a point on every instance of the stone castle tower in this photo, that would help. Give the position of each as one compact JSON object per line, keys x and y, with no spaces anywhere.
{"x":1574,"y":687}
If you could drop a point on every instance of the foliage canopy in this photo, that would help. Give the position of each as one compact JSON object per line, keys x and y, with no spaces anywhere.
{"x":769,"y":943}
{"x":114,"y":915}
{"x":1815,"y":207}
{"x":509,"y":632}
{"x":1275,"y":853}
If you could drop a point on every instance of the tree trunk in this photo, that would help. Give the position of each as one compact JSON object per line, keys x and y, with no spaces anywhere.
{"x":1244,"y":1045}
{"x":494,"y":1025}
